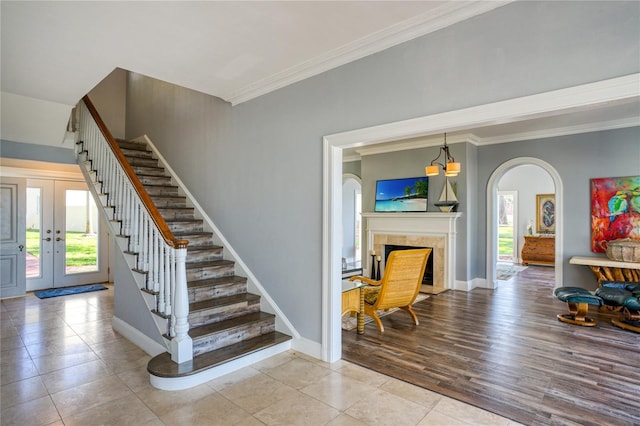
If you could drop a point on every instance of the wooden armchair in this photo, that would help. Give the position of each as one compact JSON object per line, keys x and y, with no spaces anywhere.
{"x":399,"y":286}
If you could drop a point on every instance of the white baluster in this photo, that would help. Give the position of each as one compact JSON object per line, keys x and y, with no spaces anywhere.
{"x":167,"y":280}
{"x":161,"y":276}
{"x":156,"y":279}
{"x":181,"y":344}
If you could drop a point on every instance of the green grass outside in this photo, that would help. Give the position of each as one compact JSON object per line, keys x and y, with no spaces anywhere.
{"x":81,"y":249}
{"x":505,"y":240}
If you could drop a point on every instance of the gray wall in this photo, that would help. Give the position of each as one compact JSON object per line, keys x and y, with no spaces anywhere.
{"x":257,"y":167}
{"x":109,"y":98}
{"x":577,"y":159}
{"x":36,"y":152}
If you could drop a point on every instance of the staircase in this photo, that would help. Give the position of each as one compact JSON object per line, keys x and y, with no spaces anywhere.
{"x":225,"y":322}
{"x":221,"y":311}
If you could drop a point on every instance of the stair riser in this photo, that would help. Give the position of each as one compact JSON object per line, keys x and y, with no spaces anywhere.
{"x":169,"y":202}
{"x":148,"y":171}
{"x":136,"y":153}
{"x":222,"y":313}
{"x":136,"y":146}
{"x":198,"y":240}
{"x":177,"y":227}
{"x":212,"y":292}
{"x":229,"y":337}
{"x":142,"y":162}
{"x":175,"y":213}
{"x":161,"y":190}
{"x":195,"y":274}
{"x":155,"y":180}
{"x":203,"y":256}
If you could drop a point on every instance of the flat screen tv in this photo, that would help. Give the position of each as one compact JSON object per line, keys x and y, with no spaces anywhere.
{"x":402,"y":195}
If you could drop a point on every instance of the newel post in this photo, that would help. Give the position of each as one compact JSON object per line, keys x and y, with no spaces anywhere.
{"x":181,"y":344}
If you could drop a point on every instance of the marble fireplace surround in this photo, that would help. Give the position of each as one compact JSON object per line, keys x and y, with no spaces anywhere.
{"x":435,"y":230}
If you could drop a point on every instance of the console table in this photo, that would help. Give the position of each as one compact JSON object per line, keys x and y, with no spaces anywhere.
{"x":539,"y":249}
{"x":609,"y":270}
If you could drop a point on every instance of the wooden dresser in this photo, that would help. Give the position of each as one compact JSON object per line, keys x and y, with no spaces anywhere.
{"x":539,"y":249}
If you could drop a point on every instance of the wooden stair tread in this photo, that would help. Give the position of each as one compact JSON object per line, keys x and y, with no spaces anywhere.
{"x":162,"y":366}
{"x":230,"y":324}
{"x":151,"y":185}
{"x":185,"y":235}
{"x":212,"y":282}
{"x":223,"y":301}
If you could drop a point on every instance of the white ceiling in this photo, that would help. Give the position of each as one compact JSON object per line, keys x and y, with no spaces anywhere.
{"x":54,"y":52}
{"x":235,"y":50}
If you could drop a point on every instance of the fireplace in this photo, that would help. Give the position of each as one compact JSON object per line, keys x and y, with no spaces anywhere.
{"x":427,"y":279}
{"x":434,"y":230}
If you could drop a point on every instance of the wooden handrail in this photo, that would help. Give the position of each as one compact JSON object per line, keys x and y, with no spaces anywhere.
{"x":162,"y":226}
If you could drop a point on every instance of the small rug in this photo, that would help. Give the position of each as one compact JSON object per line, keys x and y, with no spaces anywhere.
{"x":506,"y":271}
{"x":350,"y":323}
{"x":65,"y":291}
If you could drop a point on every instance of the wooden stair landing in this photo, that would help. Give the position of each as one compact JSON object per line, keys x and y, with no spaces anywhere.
{"x":162,"y":366}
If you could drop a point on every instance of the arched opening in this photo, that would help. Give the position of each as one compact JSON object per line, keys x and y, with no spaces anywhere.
{"x":493,"y":188}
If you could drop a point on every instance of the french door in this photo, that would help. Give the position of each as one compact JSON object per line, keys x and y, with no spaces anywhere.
{"x":67,"y":243}
{"x":12,"y":241}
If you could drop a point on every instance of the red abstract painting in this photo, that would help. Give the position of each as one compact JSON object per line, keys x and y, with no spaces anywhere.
{"x":615,"y":210}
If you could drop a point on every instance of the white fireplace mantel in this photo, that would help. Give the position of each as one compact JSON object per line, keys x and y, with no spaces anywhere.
{"x":438,"y":229}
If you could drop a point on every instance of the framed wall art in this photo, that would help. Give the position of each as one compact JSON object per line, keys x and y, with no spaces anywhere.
{"x":546,"y":213}
{"x":402,"y":195}
{"x":615,"y":210}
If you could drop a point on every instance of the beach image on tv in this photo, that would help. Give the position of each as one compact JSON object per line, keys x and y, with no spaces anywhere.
{"x":402,"y":195}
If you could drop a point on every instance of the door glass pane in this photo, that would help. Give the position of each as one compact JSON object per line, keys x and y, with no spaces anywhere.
{"x":81,"y":237}
{"x":505,"y":227}
{"x":34,"y":232}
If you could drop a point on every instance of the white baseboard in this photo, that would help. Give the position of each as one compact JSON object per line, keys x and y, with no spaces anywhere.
{"x":470,"y":285}
{"x":148,"y":345}
{"x":307,"y":347}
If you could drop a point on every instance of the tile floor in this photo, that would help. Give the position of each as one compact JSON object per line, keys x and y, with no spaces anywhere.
{"x":62,"y":364}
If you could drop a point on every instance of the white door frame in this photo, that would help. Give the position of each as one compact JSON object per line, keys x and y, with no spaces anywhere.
{"x":591,"y":95}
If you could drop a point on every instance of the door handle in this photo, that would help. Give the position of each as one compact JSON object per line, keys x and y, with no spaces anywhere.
{"x":59,"y":239}
{"x":46,"y":239}
{"x":20,"y":247}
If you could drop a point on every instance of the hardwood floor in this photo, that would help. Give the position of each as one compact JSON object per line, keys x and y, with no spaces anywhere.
{"x":504,"y":351}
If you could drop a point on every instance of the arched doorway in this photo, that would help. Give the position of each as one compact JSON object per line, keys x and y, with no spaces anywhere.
{"x":492,"y":215}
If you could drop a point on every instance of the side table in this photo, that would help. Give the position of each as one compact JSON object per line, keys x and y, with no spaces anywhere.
{"x":353,"y":301}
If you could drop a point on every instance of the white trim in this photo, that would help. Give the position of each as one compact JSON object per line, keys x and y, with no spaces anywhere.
{"x":435,"y":19}
{"x":186,"y":382}
{"x":307,"y":347}
{"x":281,"y":317}
{"x":139,"y":339}
{"x":589,"y":95}
{"x":492,"y":214}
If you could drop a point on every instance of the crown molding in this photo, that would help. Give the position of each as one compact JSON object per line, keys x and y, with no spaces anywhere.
{"x":494,"y":140}
{"x":417,"y":143}
{"x":560,"y":131}
{"x":440,"y":17}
